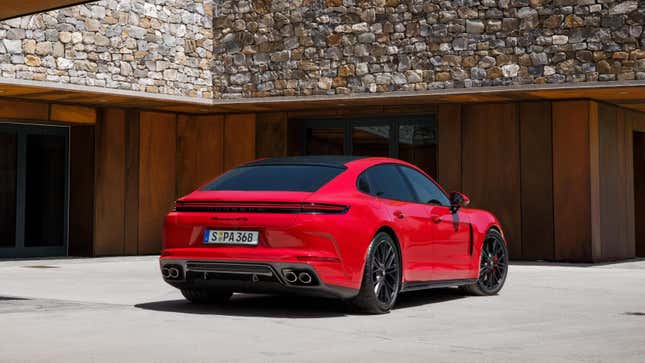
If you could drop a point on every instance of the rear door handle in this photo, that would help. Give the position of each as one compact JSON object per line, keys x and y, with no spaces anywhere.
{"x":436,"y":218}
{"x":398,"y":214}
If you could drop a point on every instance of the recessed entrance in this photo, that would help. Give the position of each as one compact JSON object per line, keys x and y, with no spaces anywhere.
{"x":639,"y":191}
{"x":412,"y":139}
{"x":33,"y":190}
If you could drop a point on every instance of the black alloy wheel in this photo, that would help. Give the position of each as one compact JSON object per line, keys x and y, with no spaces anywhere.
{"x":493,"y":266}
{"x":382,"y":276}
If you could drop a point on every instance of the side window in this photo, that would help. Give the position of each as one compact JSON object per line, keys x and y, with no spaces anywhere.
{"x":387,"y":182}
{"x":363,"y":184}
{"x":425,"y":189}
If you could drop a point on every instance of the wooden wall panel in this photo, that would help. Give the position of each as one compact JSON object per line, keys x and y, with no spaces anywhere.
{"x":536,"y":160}
{"x":491,"y":165}
{"x":615,"y":176}
{"x":110,"y":183}
{"x":199,"y":150}
{"x":449,"y":146}
{"x":639,"y":192}
{"x":73,"y":114}
{"x":239,"y":139}
{"x":571,"y":180}
{"x":131,"y":234}
{"x":271,"y":134}
{"x":157,"y":177}
{"x":10,"y":109}
{"x":81,"y":186}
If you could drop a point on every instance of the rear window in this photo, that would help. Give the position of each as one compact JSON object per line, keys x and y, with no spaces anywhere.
{"x":291,"y":178}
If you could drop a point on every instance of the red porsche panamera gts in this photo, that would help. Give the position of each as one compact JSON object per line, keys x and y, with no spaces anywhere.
{"x":354,"y":228}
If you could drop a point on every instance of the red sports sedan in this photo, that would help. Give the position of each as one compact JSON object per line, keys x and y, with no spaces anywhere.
{"x":362,"y":229}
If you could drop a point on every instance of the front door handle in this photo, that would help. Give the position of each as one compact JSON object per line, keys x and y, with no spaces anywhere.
{"x":436,"y":218}
{"x":398,"y":214}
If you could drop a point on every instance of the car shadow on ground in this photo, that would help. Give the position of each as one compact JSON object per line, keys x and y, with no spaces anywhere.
{"x":286,"y":306}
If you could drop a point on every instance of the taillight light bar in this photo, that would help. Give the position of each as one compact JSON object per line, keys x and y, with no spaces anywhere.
{"x":260,"y":207}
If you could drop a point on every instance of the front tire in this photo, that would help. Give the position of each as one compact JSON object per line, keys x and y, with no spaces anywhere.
{"x":381,"y":277}
{"x":201,"y":296}
{"x":493,"y":266}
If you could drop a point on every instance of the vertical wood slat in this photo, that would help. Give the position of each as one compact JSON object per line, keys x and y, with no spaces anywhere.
{"x":239,"y":139}
{"x":491,"y":165}
{"x":571,"y":180}
{"x":615,"y":184}
{"x":271,"y":134}
{"x":536,"y":162}
{"x":199,"y":150}
{"x":157,"y":176}
{"x":131,"y":234}
{"x":449,"y":147}
{"x":110,"y":183}
{"x":81,"y":186}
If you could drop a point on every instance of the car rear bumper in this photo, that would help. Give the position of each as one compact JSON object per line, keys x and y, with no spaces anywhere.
{"x":250,"y":277}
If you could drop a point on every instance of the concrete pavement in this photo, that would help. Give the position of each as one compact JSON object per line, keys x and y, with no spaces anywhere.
{"x":119,"y":309}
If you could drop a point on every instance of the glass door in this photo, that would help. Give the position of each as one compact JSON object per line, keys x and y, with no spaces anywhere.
{"x":33,"y":190}
{"x":409,"y":138}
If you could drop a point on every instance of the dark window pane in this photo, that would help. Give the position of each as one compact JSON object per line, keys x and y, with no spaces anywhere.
{"x":45,"y":191}
{"x":8,"y":171}
{"x":417,"y":145}
{"x":387,"y":182}
{"x":325,"y":141}
{"x":371,"y":141}
{"x":362,"y":184}
{"x":294,"y":178}
{"x":425,"y":189}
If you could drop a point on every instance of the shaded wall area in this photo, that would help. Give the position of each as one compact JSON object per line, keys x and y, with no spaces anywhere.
{"x":562,"y":176}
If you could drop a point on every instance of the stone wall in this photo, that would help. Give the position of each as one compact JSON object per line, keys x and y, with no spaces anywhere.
{"x":259,"y":48}
{"x":304,"y":47}
{"x":158,"y":46}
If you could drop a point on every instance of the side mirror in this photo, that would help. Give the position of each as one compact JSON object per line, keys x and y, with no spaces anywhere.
{"x":458,"y":200}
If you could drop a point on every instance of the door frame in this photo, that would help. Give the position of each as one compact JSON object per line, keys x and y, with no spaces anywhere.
{"x":22,"y":130}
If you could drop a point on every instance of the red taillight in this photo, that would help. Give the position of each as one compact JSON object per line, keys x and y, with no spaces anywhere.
{"x":260,"y":207}
{"x":324,"y":208}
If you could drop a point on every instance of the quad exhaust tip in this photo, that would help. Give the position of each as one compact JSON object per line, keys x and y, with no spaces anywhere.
{"x":170,"y":272}
{"x":290,"y":276}
{"x":304,"y":277}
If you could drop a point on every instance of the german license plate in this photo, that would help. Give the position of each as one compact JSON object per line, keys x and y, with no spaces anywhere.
{"x":231,"y":237}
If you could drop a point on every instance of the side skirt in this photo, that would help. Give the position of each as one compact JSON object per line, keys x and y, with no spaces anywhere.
{"x":421,"y":285}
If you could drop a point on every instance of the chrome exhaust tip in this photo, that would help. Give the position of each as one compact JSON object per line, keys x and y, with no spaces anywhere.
{"x":290,"y":276}
{"x":173,"y":272}
{"x":165,"y":273}
{"x":304,"y":277}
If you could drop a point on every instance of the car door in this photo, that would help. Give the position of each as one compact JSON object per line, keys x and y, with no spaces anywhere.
{"x":408,"y":218}
{"x":450,"y":253}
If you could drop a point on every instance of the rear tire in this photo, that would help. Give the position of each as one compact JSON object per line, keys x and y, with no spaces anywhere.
{"x":493,"y":266}
{"x":201,"y":296}
{"x":381,"y":277}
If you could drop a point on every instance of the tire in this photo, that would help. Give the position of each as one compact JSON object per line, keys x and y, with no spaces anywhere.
{"x":381,"y":277}
{"x":200,"y":296}
{"x":493,"y":266}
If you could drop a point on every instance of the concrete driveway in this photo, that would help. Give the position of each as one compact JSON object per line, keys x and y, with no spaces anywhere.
{"x":119,"y":310}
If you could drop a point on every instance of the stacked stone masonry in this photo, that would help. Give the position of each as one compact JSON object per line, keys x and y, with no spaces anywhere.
{"x":261,"y":48}
{"x":158,"y":46}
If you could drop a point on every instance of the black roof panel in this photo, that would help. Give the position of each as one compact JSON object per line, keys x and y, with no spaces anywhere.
{"x":323,"y":160}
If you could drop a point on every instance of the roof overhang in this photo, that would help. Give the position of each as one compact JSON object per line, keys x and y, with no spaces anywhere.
{"x":13,"y":9}
{"x":629,"y":94}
